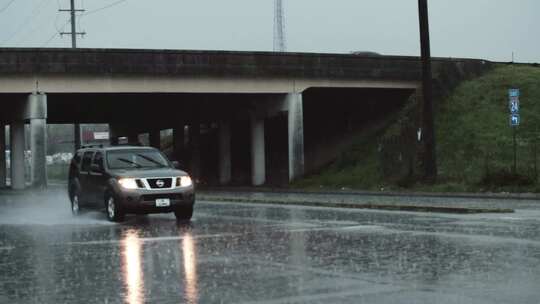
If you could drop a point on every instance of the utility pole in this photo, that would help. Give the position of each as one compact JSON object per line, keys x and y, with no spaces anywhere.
{"x":430,"y":158}
{"x":74,"y":33}
{"x":72,"y":10}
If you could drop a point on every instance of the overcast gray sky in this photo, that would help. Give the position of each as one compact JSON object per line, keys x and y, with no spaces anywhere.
{"x":488,"y":29}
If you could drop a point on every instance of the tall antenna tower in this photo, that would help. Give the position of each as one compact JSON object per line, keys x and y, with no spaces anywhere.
{"x":279,"y":27}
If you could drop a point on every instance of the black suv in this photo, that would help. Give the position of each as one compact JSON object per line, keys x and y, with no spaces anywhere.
{"x":129,"y":179}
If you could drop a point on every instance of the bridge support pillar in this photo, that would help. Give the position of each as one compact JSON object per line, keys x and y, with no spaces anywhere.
{"x":178,"y":144}
{"x":294,"y":103}
{"x":195,"y":150}
{"x":2,"y":156}
{"x":17,"y":141}
{"x":258,"y":157}
{"x":155,"y":138}
{"x":225,"y":169}
{"x":113,"y":134}
{"x":37,"y":115}
{"x":38,"y":146}
{"x":133,"y":137}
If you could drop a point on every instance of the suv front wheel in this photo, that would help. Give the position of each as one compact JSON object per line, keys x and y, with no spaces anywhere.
{"x":184,"y":214}
{"x":113,"y":209}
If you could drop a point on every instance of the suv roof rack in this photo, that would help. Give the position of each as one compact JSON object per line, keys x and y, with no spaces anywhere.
{"x":91,"y":146}
{"x":136,"y":144}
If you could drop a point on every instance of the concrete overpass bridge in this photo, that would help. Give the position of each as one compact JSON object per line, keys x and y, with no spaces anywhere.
{"x":265,"y":112}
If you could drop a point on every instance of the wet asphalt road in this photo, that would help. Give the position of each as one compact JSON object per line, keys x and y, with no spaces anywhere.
{"x":241,"y":253}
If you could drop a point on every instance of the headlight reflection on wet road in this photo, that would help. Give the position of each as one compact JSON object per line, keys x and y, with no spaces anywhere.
{"x":132,"y":268}
{"x":190,"y":268}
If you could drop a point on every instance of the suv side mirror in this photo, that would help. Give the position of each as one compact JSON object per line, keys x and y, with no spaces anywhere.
{"x":96,"y":168}
{"x":176,"y":164}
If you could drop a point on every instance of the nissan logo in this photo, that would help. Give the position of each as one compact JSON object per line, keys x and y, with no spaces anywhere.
{"x":160,"y":183}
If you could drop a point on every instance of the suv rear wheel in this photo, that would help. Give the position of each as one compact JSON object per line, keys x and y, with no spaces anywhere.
{"x":75,"y":207}
{"x":75,"y":201}
{"x":114,"y":211}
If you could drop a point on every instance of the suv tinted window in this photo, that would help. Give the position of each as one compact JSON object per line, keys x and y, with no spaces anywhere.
{"x":98,"y":160}
{"x":126,"y":159}
{"x":87,"y":160}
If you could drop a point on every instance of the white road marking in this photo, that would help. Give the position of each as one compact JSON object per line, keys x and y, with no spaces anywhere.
{"x":152,"y":239}
{"x":370,"y":228}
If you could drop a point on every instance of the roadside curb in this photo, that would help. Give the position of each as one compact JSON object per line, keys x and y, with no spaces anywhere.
{"x":499,"y":196}
{"x":10,"y":192}
{"x":410,"y":208}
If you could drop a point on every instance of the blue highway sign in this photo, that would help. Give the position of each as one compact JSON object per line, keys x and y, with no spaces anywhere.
{"x":515,"y":119}
{"x":514,"y":105}
{"x":513,"y":93}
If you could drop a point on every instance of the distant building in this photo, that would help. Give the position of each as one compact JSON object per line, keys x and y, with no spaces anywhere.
{"x":366,"y":53}
{"x":92,"y":137}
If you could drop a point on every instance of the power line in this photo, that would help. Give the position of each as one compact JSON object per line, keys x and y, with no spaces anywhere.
{"x":22,"y":25}
{"x":79,"y":20}
{"x":55,"y":34}
{"x":6,"y":6}
{"x":102,"y":8}
{"x":58,"y":29}
{"x":50,"y":39}
{"x":56,"y":21}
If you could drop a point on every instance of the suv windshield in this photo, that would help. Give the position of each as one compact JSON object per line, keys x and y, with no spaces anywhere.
{"x":128,"y":159}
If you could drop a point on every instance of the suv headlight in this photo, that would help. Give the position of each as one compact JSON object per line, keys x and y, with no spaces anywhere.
{"x":184,"y":181}
{"x":128,"y":183}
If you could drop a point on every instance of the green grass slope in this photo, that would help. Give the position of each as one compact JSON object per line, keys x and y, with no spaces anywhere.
{"x":474,"y":141}
{"x":357,"y":167}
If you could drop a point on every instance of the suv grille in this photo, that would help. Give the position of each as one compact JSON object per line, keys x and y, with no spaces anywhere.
{"x":160,"y":183}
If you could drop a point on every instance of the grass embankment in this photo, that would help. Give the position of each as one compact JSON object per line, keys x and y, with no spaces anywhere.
{"x":474,"y":141}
